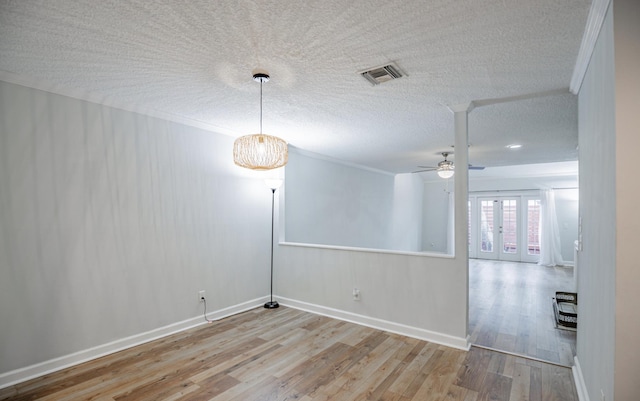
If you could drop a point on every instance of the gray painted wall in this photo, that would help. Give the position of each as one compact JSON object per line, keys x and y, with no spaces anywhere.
{"x":596,"y":279}
{"x":435,"y":216}
{"x":405,"y":233}
{"x":330,"y":203}
{"x":609,"y":321}
{"x":110,"y":223}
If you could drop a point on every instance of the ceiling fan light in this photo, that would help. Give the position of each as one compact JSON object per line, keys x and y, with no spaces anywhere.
{"x":445,"y":173}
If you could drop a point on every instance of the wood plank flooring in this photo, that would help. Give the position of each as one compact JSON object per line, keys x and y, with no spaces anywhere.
{"x":287,"y":354}
{"x":510,"y":309}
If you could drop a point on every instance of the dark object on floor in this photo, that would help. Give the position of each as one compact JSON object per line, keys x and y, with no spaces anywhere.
{"x":565,"y":309}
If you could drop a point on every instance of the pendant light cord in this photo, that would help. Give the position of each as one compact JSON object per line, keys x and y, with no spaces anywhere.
{"x":261,"y":80}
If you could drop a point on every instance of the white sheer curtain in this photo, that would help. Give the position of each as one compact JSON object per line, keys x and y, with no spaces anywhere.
{"x":550,"y":251}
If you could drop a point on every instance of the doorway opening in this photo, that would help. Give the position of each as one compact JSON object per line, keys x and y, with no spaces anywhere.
{"x":510,"y":295}
{"x":510,"y":309}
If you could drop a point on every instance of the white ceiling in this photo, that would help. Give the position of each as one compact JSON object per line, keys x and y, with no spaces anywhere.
{"x":194,"y":60}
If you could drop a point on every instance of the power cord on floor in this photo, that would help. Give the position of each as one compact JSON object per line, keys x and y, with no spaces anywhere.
{"x":204,"y":314}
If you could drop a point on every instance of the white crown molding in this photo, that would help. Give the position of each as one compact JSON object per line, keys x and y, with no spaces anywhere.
{"x":597,"y":13}
{"x":29,"y":372}
{"x":516,"y":98}
{"x":463,"y":107}
{"x":319,"y":156}
{"x":108,"y":101}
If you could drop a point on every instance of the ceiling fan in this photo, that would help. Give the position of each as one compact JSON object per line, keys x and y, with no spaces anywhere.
{"x":445,"y":168}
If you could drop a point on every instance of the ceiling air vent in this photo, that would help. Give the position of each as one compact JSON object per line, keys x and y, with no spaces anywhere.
{"x":382,"y":74}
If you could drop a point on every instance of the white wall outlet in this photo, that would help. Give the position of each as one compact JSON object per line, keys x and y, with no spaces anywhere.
{"x":356,"y":294}
{"x":201,"y":295}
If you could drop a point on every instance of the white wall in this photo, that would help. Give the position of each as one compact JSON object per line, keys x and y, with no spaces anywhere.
{"x":332,"y":203}
{"x":110,"y":223}
{"x":596,"y":279}
{"x":436,"y":216}
{"x":415,"y":295}
{"x":405,"y":233}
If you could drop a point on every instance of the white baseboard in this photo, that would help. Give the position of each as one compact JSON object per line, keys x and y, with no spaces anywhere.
{"x":23,"y":374}
{"x":409,"y":331}
{"x":581,"y":388}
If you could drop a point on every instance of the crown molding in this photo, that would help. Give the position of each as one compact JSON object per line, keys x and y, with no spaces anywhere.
{"x":318,"y":156}
{"x":597,"y":13}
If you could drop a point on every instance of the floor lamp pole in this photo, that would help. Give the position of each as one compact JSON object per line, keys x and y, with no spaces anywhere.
{"x":272,"y":304}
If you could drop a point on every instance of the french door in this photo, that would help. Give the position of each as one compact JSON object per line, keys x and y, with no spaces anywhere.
{"x":504,"y":228}
{"x":499,"y":228}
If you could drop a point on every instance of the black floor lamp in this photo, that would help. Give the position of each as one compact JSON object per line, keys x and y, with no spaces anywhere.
{"x":273,"y":184}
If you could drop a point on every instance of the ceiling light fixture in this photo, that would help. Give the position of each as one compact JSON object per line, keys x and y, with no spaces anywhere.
{"x":445,"y":168}
{"x":260,"y":151}
{"x":514,"y":146}
{"x":445,"y":171}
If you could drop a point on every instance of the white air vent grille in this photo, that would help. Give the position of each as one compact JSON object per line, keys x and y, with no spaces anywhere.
{"x":382,"y":74}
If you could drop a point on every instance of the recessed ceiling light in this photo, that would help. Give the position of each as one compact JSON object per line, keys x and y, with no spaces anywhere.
{"x":513,"y":146}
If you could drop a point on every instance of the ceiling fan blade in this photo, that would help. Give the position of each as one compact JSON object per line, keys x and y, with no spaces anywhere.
{"x":425,"y":169}
{"x":475,"y":167}
{"x":428,"y":167}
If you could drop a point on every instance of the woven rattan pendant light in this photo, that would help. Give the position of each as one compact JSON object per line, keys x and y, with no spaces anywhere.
{"x":260,"y":151}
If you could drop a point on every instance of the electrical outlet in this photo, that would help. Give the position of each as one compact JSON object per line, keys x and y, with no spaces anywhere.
{"x":356,"y":294}
{"x":201,"y":295}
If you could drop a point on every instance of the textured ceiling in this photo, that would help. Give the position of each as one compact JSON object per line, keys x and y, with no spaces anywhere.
{"x":194,"y":60}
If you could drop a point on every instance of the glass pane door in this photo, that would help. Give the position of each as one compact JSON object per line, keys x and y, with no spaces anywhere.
{"x":509,"y":229}
{"x":486,"y":248}
{"x":510,"y":226}
{"x":532,"y":230}
{"x":499,"y":233}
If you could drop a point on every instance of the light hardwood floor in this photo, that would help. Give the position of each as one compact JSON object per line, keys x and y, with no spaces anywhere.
{"x":287,"y":354}
{"x":510,"y":309}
